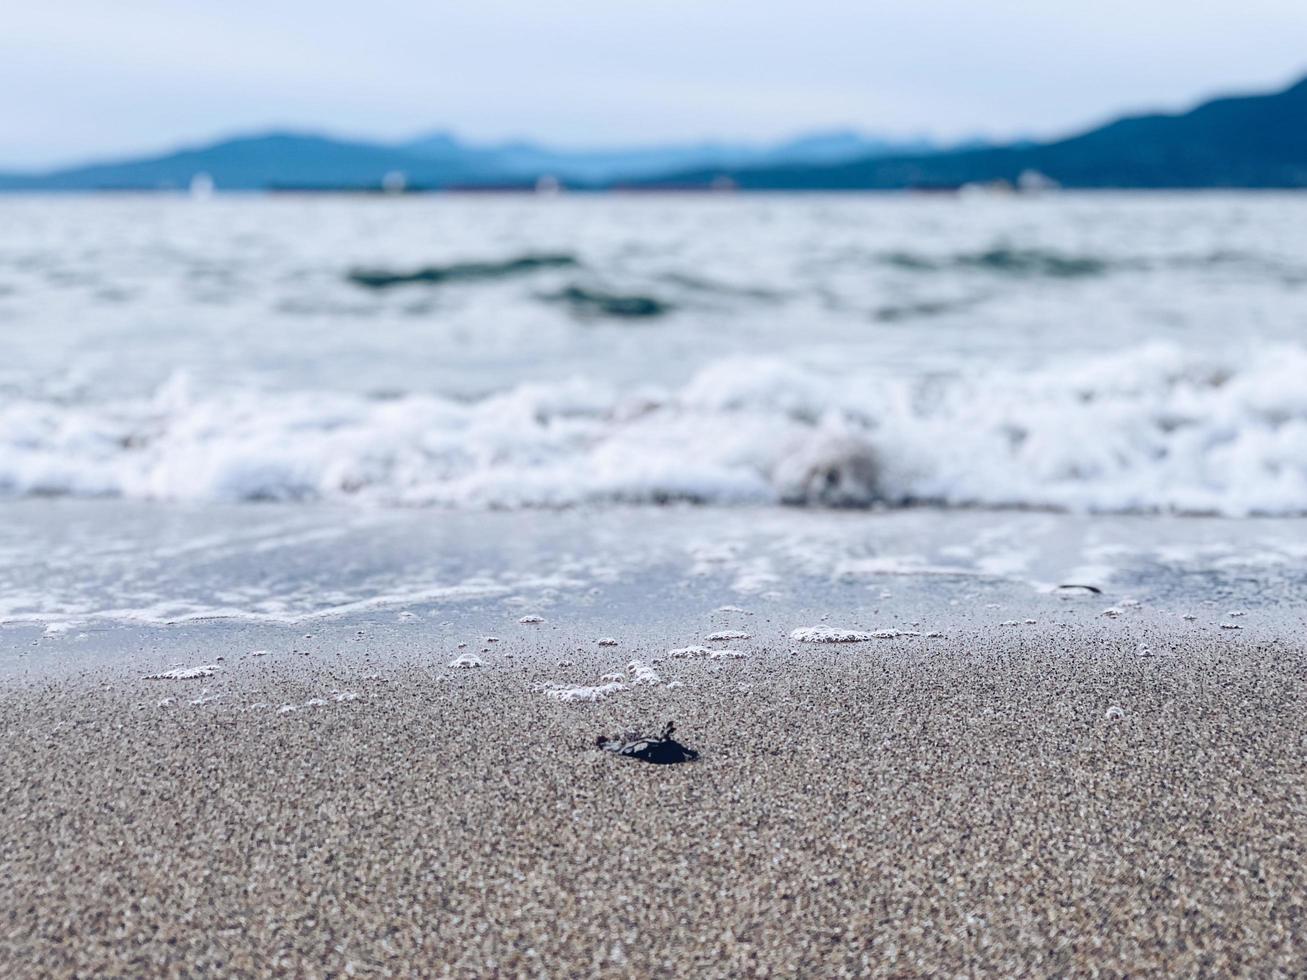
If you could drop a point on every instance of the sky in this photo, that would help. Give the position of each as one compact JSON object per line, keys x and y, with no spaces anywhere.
{"x":89,"y":79}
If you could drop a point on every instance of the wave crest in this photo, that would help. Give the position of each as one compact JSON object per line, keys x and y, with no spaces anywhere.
{"x":1144,"y":430}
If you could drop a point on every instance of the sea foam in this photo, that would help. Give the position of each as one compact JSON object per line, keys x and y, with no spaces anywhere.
{"x":1153,"y":428}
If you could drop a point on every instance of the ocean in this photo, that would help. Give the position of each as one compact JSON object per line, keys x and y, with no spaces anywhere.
{"x":255,"y":407}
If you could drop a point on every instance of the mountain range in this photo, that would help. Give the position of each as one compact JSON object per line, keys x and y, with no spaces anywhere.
{"x":1257,"y":141}
{"x":437,"y":160}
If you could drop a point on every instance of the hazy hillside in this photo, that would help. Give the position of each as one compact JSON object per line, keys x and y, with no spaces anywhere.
{"x":253,"y":163}
{"x":433,"y":161}
{"x":1247,"y":141}
{"x":525,"y":159}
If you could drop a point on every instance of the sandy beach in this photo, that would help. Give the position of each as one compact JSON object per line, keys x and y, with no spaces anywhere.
{"x":1032,"y":801}
{"x":315,"y":508}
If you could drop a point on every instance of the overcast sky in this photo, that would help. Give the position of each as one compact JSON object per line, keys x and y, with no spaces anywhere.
{"x":81,"y":79}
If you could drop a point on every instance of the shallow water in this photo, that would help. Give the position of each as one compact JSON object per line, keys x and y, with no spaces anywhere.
{"x":1081,"y":352}
{"x":337,"y":410}
{"x":72,"y":571}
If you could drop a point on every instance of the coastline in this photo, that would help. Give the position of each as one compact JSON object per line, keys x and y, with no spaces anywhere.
{"x":906,"y":805}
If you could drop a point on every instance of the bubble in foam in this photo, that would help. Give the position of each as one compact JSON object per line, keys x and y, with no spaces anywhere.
{"x":832,"y":470}
{"x":467,"y":661}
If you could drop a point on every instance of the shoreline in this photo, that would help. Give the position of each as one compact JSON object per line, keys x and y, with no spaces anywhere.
{"x":896,"y":806}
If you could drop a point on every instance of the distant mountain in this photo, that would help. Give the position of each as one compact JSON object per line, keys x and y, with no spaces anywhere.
{"x":841,"y":145}
{"x":1246,"y":141}
{"x":256,"y":163}
{"x":530,"y":160}
{"x":437,"y":160}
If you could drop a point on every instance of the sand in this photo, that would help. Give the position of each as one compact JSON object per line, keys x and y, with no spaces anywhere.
{"x":913,"y":806}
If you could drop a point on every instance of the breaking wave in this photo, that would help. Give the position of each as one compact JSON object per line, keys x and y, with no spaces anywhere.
{"x":1150,"y":429}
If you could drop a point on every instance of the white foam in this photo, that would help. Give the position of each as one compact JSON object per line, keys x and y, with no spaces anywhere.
{"x":1157,"y":427}
{"x":689,"y":653}
{"x":829,"y":634}
{"x":642,"y":673}
{"x":596,"y":692}
{"x":185,"y":673}
{"x":467,"y":661}
{"x":726,"y":635}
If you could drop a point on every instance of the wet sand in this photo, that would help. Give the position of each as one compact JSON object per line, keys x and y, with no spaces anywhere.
{"x":897,"y":807}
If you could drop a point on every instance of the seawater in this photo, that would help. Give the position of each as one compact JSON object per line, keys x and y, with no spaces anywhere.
{"x":1127,"y":353}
